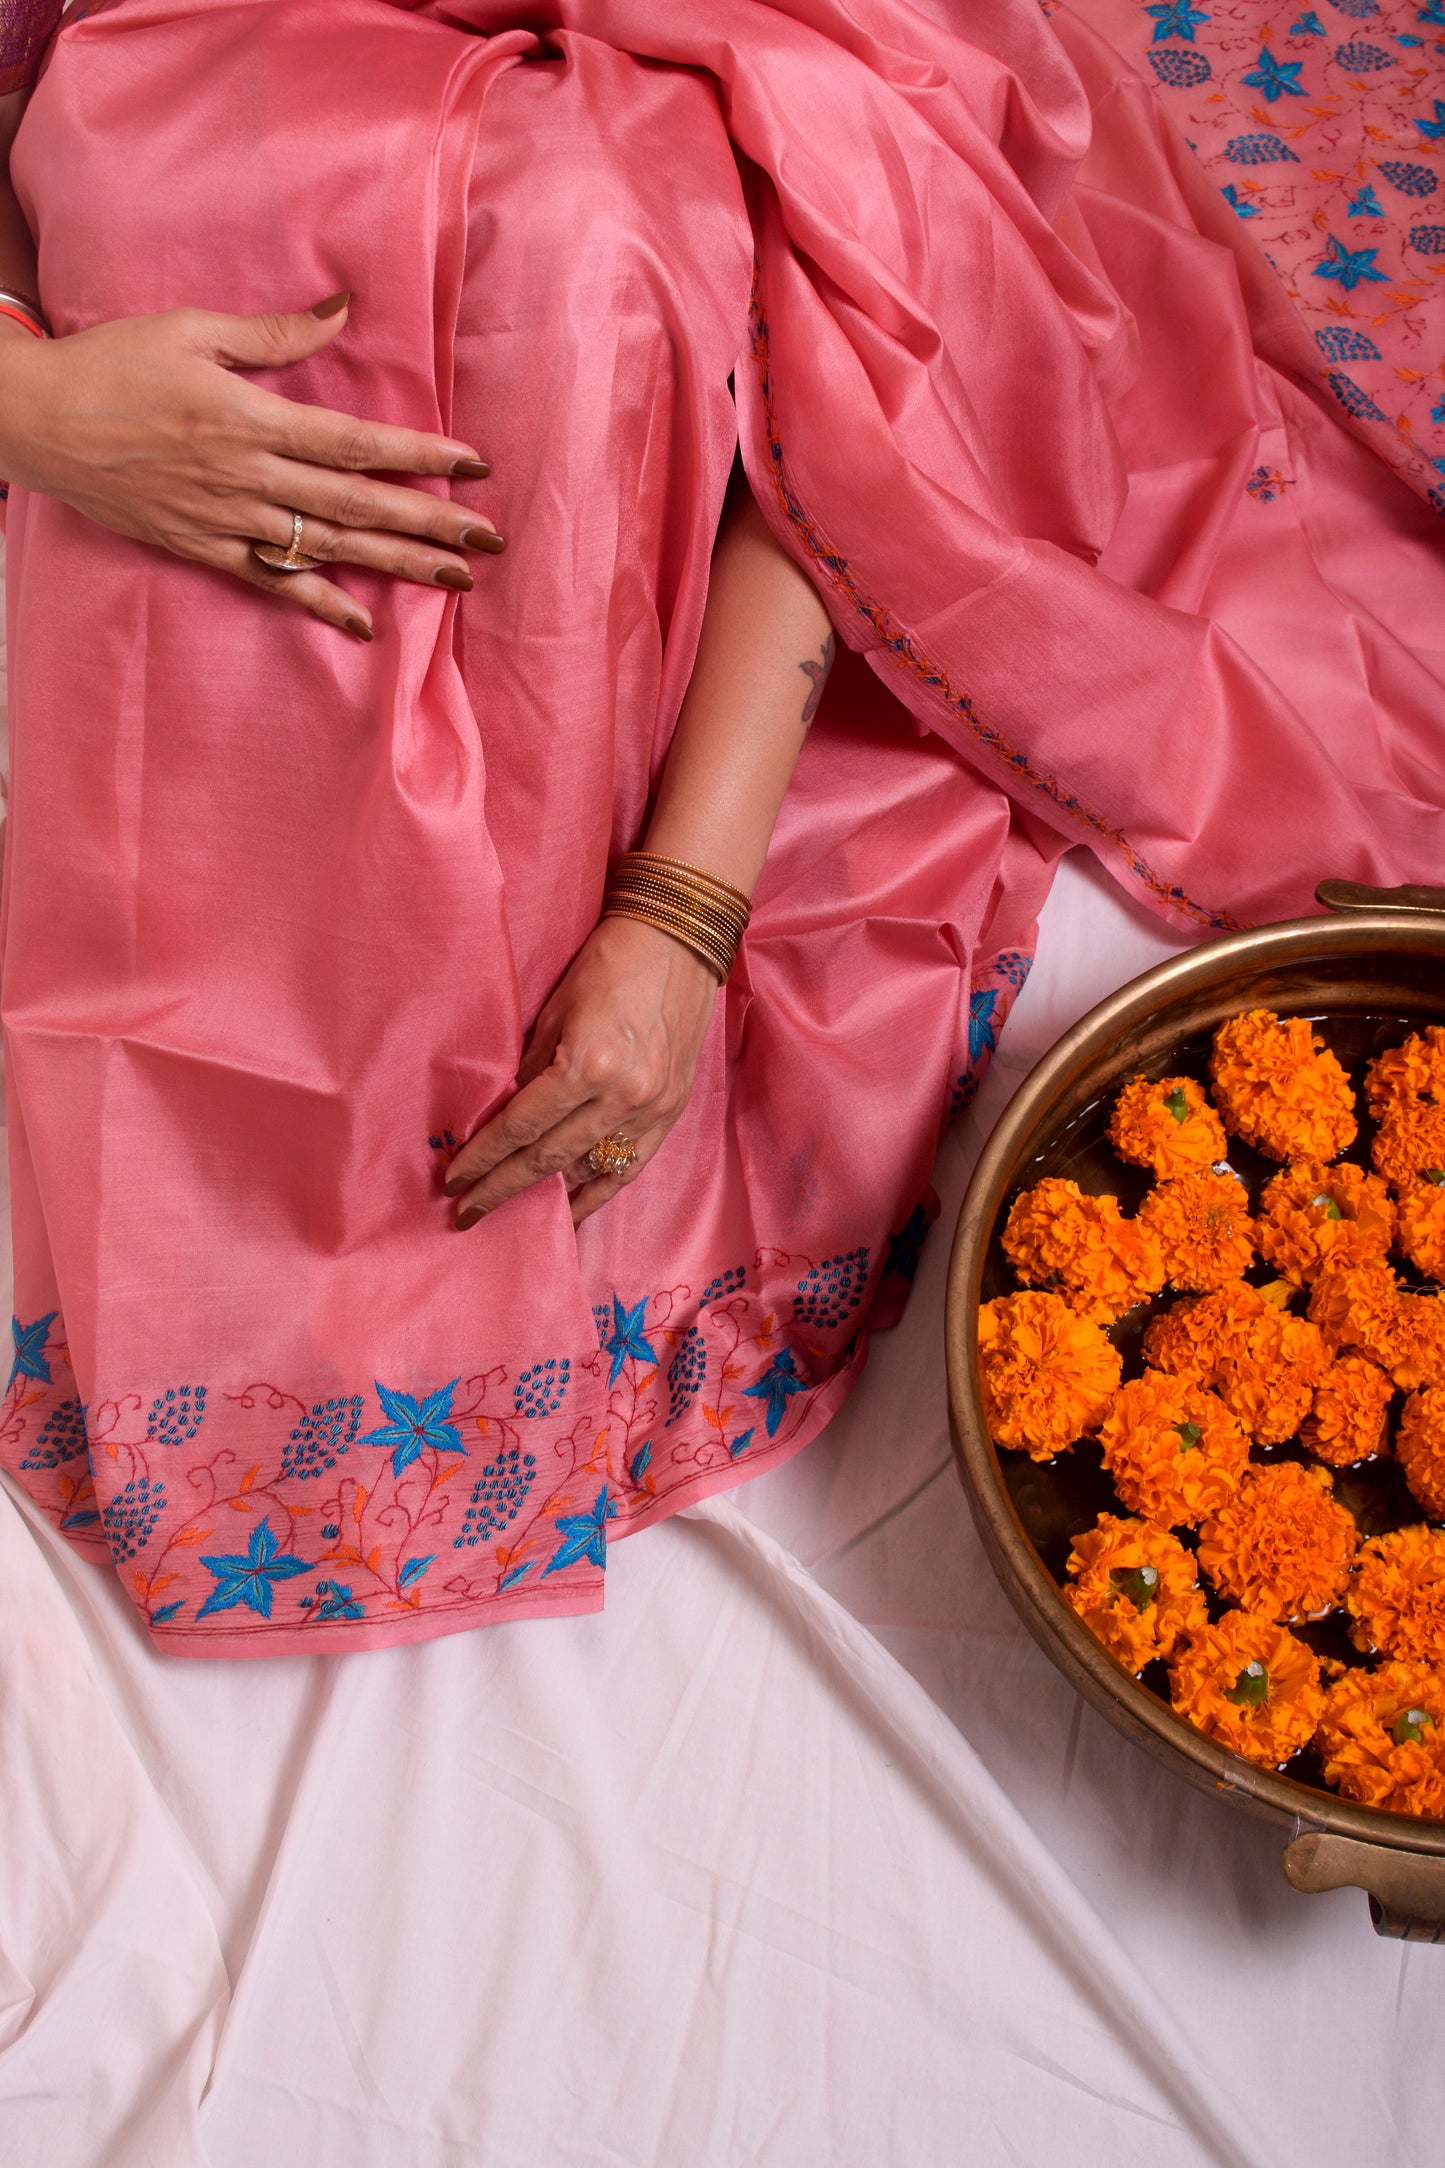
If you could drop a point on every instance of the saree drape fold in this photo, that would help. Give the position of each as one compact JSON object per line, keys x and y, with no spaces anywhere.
{"x":280,"y":910}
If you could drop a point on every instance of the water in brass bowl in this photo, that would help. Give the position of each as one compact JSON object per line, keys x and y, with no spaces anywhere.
{"x":1366,"y":982}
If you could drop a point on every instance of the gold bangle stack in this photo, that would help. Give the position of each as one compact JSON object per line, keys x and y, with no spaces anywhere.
{"x":707,"y":915}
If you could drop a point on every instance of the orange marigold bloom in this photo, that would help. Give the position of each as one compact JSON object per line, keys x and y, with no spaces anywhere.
{"x":1408,"y":1074}
{"x":1282,"y":1544}
{"x":1203,"y":1226}
{"x":1046,"y":1374}
{"x":1347,"y":1422}
{"x":1135,"y":1588}
{"x":1422,"y":1223}
{"x":1174,"y":1452}
{"x":1409,"y":1144}
{"x":1280,"y":1088}
{"x":1419,"y":1342}
{"x":1187,"y":1338}
{"x":1168,"y":1126}
{"x":1359,"y":1308}
{"x":1084,"y":1248}
{"x":1251,"y":1685}
{"x":1382,"y":1738}
{"x":1420,"y":1447}
{"x":1396,"y":1594}
{"x":1311,"y":1215}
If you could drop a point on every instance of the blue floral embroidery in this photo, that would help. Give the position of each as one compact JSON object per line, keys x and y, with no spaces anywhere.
{"x":1259,"y":150}
{"x":62,"y":1437}
{"x":640,"y":1462}
{"x":514,"y":1574}
{"x":1349,"y":266}
{"x":413,"y":1570}
{"x":1411,"y":180}
{"x":1430,"y":240}
{"x":1308,"y":26}
{"x":1180,"y":70}
{"x":333,"y":1599}
{"x":1434,"y":13}
{"x":414,"y":1424}
{"x":725,"y":1283}
{"x":1365,"y":205}
{"x":167,"y":1610}
{"x":1351,"y":398}
{"x":685,"y":1374}
{"x":1339,"y":342}
{"x":1435,"y":128}
{"x":30,"y":1360}
{"x":177,"y":1414}
{"x":1275,"y":78}
{"x":322,"y":1437}
{"x":584,"y":1536}
{"x":1363,"y":59}
{"x":498,"y":1496}
{"x":739,"y":1445}
{"x":1231,"y":196}
{"x":542,"y":1389}
{"x":248,"y":1578}
{"x":776,"y":1387}
{"x":829,"y":1292}
{"x":130,"y":1517}
{"x":628,"y":1338}
{"x":1175,"y":19}
{"x":906,"y":1247}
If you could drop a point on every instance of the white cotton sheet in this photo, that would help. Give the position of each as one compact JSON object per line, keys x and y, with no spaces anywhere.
{"x":799,"y":1856}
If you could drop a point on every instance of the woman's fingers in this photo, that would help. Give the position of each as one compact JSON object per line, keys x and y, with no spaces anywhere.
{"x":597,"y":1190}
{"x":545,"y":1130}
{"x":321,"y":437}
{"x":395,"y":554}
{"x":306,"y":590}
{"x":355,"y":500}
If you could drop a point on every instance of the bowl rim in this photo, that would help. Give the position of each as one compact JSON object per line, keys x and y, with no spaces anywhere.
{"x":1026,"y":1580}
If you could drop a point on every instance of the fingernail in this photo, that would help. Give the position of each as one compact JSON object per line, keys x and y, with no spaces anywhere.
{"x":455,"y":1189}
{"x":454,"y":576}
{"x":469,"y":1219}
{"x":359,"y":626}
{"x":482,"y":538}
{"x":332,"y":305}
{"x":471,"y":470}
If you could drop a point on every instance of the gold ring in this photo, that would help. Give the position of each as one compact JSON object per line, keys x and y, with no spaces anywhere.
{"x":611,"y":1155}
{"x":291,"y":559}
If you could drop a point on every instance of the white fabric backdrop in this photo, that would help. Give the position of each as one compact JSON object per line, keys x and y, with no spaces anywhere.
{"x":799,"y":1856}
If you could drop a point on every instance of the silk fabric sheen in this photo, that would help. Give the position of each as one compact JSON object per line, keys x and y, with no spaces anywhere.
{"x":279,"y":908}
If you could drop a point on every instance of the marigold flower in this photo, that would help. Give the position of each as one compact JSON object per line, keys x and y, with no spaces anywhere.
{"x":1420,"y":1448}
{"x":1419,"y":1344}
{"x":1135,"y":1588}
{"x":1311,"y":1215}
{"x":1173,"y":1451}
{"x":1422,"y":1223}
{"x":1083,"y":1248}
{"x":1347,"y":1422}
{"x":1282,"y":1544}
{"x":1203,"y":1227}
{"x":1280,"y":1088}
{"x":1168,"y":1126}
{"x":1408,"y":1074}
{"x":1046,"y":1373}
{"x":1409,"y":1144}
{"x":1187,"y":1337}
{"x":1359,"y":1308}
{"x":1382,"y":1738}
{"x":1395,"y":1595}
{"x":1248,"y":1683}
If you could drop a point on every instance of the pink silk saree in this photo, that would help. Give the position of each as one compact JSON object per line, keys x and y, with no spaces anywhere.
{"x":278,"y":910}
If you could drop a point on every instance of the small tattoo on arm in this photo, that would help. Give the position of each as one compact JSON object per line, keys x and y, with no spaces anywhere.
{"x":817,"y":675}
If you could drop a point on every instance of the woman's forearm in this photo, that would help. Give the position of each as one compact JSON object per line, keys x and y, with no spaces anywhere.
{"x":765,"y":650}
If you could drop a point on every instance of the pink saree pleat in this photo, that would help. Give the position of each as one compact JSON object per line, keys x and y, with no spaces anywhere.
{"x":279,"y":910}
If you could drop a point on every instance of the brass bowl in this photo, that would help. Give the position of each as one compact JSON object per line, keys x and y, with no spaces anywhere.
{"x":1369,"y":977}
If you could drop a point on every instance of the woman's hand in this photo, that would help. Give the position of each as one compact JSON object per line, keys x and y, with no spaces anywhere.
{"x":615,"y":1050}
{"x":141,"y":425}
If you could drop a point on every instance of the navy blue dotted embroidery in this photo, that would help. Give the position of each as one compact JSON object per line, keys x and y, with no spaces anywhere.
{"x":131,"y":1516}
{"x":602,"y":1319}
{"x":1361,"y":59}
{"x":1410,"y":180}
{"x":685,"y":1374}
{"x":1338,"y":342}
{"x":1430,"y":240}
{"x":62,"y":1437}
{"x":1259,"y":150}
{"x":832,"y":1290}
{"x":1351,"y":398}
{"x":177,"y":1415}
{"x":542,"y":1389}
{"x":726,"y":1283}
{"x":1180,"y":70}
{"x":1358,"y":9}
{"x":498,"y":1496}
{"x":320,"y":1438}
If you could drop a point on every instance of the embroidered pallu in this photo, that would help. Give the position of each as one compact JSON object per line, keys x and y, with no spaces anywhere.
{"x":280,"y":908}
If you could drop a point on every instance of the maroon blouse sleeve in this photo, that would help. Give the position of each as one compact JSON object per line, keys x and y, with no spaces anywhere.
{"x":25,"y":25}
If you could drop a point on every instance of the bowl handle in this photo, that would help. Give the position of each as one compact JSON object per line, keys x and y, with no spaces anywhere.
{"x":1352,"y":896}
{"x":1406,"y":1889}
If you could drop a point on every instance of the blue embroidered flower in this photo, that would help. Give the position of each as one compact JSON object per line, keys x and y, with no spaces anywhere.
{"x":1362,"y":59}
{"x":1181,"y":70}
{"x":628,"y":1339}
{"x":333,"y":1599}
{"x":1275,"y":78}
{"x":1437,"y":413}
{"x":829,"y":1292}
{"x":1430,"y":240}
{"x":497,"y":1496}
{"x":1308,"y":26}
{"x":1175,"y":19}
{"x":725,"y":1283}
{"x":776,"y":1387}
{"x":177,"y":1415}
{"x":640,"y":1462}
{"x":1341,"y":342}
{"x":1365,"y":205}
{"x":414,"y":1424}
{"x":584,"y":1536}
{"x":1348,"y":266}
{"x":248,"y":1579}
{"x":982,"y":1030}
{"x":739,"y":1445}
{"x":905,"y":1247}
{"x":685,"y":1374}
{"x":1013,"y":966}
{"x":1357,"y":9}
{"x":1434,"y":13}
{"x":412,"y":1571}
{"x":322,"y":1437}
{"x":1351,"y":398}
{"x":1435,"y":128}
{"x":1231,"y":196}
{"x":1259,"y":150}
{"x":30,"y":1360}
{"x":542,"y":1389}
{"x":62,"y":1437}
{"x":1410,"y":179}
{"x":130,"y":1517}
